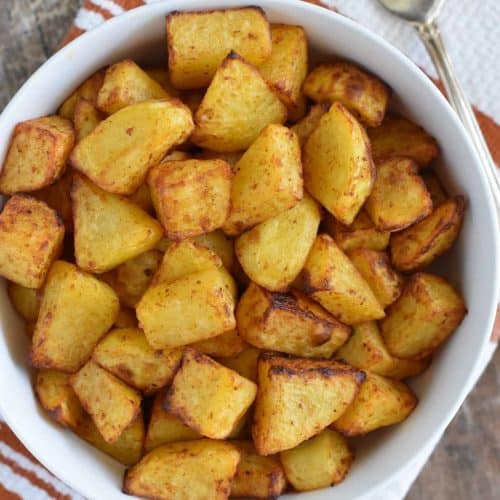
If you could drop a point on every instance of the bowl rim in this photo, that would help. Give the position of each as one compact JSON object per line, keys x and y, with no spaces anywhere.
{"x":162,"y":7}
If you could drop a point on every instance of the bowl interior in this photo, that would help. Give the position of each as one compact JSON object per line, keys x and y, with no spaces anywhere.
{"x":472,"y":266}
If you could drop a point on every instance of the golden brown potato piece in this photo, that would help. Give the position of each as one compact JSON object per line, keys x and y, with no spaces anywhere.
{"x":56,"y":396}
{"x":26,"y":301}
{"x":244,"y":363}
{"x":379,"y":403}
{"x":397,"y":136}
{"x":417,"y":246}
{"x":257,"y":477}
{"x":117,"y":154}
{"x":376,"y":269}
{"x":361,"y":93}
{"x":435,"y":188}
{"x":267,"y":180}
{"x":298,"y":398}
{"x":306,"y":125}
{"x":76,"y":311}
{"x":160,"y":74}
{"x":86,"y":118}
{"x":220,"y":244}
{"x":207,"y":396}
{"x":319,"y":462}
{"x":331,"y":279}
{"x":191,"y":197}
{"x":425,"y":315}
{"x":102,"y":243}
{"x":223,"y":346}
{"x":362,"y":233}
{"x":112,"y":405}
{"x":399,"y":197}
{"x":406,"y":368}
{"x":31,"y":237}
{"x":124,"y":352}
{"x":162,"y":473}
{"x":298,"y":111}
{"x":273,"y":253}
{"x":88,"y":90}
{"x":142,"y":197}
{"x":125,"y":319}
{"x":288,"y":323}
{"x":237,"y":106}
{"x":231,"y":158}
{"x":37,"y":154}
{"x":125,"y":83}
{"x":194,"y":59}
{"x":338,"y":169}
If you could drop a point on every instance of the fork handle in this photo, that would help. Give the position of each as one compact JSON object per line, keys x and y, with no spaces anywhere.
{"x":431,"y":36}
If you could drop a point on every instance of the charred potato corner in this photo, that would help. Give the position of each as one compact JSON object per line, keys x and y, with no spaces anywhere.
{"x":222,"y":265}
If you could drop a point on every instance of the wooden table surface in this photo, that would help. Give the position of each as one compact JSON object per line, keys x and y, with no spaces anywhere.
{"x":466,"y":464}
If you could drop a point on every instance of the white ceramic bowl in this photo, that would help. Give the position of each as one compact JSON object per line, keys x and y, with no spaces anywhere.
{"x":473,"y":265}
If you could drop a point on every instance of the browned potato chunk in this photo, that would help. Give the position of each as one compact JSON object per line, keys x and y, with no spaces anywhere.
{"x":31,"y":237}
{"x":117,"y":154}
{"x":425,"y":315}
{"x":416,"y":247}
{"x":223,"y":346}
{"x":406,"y":368}
{"x":37,"y":154}
{"x":257,"y":477}
{"x":399,"y":197}
{"x":161,"y":474}
{"x":331,"y":279}
{"x":338,"y":169}
{"x":237,"y":106}
{"x":160,"y":74}
{"x":124,"y":352}
{"x":298,"y":398}
{"x":397,"y":136}
{"x":435,"y":188}
{"x":112,"y":405}
{"x":288,"y":323}
{"x":319,"y":462}
{"x":194,"y":59}
{"x":102,"y":243}
{"x":86,"y":118}
{"x":379,"y":403}
{"x":76,"y":311}
{"x":207,"y":396}
{"x":87,"y":90}
{"x":220,"y":244}
{"x":244,"y":363}
{"x":26,"y":301}
{"x":304,"y":127}
{"x":191,"y":197}
{"x":363,"y":94}
{"x":376,"y":269}
{"x":267,"y":180}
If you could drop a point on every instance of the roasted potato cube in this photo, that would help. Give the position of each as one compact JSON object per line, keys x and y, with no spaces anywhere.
{"x":417,"y":246}
{"x":208,"y":465}
{"x":125,"y":83}
{"x":86,"y":118}
{"x":273,"y":253}
{"x":191,"y":197}
{"x":31,"y":237}
{"x":435,"y":188}
{"x":220,"y":244}
{"x":223,"y":346}
{"x":37,"y":154}
{"x":244,"y":363}
{"x":298,"y":398}
{"x":26,"y":301}
{"x":112,"y":405}
{"x":362,"y":233}
{"x":142,"y":197}
{"x":397,"y":136}
{"x":257,"y":477}
{"x":319,"y":462}
{"x":102,"y":243}
{"x":331,"y":279}
{"x":124,"y":352}
{"x":56,"y":396}
{"x":160,"y":74}
{"x":194,"y":59}
{"x":125,"y":319}
{"x":425,"y":315}
{"x":361,"y":93}
{"x":376,"y":269}
{"x":304,"y":127}
{"x":117,"y":154}
{"x":267,"y":180}
{"x":288,"y":323}
{"x":406,"y":368}
{"x":87,"y":90}
{"x":399,"y":197}
{"x":207,"y":396}
{"x":76,"y":311}
{"x":338,"y":169}
{"x":237,"y":106}
{"x":379,"y":403}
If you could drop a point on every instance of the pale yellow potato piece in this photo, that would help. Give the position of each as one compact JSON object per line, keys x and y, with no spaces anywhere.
{"x":435,"y":188}
{"x":87,"y":90}
{"x":194,"y":59}
{"x":244,"y":363}
{"x":236,"y":107}
{"x":219,"y":243}
{"x":338,"y":168}
{"x":86,"y":118}
{"x":208,"y":397}
{"x":273,"y":253}
{"x":76,"y":311}
{"x":160,"y":74}
{"x":224,"y":345}
{"x":117,"y":154}
{"x":306,"y":125}
{"x":26,"y":301}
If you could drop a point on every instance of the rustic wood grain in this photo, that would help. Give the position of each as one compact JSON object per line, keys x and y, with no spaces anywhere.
{"x":466,"y":464}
